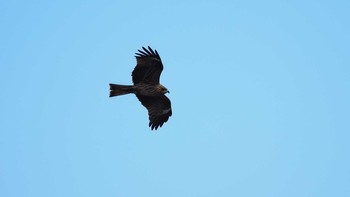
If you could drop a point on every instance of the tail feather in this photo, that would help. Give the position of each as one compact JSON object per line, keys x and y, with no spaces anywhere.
{"x":117,"y":90}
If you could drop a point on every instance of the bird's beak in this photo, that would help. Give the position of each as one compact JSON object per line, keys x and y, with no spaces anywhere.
{"x":168,"y":91}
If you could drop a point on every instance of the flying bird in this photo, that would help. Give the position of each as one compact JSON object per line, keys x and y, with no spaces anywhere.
{"x":147,"y":88}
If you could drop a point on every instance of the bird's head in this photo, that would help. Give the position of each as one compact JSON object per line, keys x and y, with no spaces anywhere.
{"x":163,"y":89}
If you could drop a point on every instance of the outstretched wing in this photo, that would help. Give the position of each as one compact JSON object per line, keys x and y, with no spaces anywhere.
{"x":159,"y":109}
{"x":148,"y":67}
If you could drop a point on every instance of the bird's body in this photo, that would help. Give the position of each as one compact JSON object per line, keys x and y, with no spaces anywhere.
{"x":142,"y":89}
{"x":147,"y":87}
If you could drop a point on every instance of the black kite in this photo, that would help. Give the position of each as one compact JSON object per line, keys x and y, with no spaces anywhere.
{"x":147,"y":88}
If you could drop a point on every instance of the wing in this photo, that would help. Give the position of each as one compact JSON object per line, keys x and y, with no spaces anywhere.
{"x":148,"y":67}
{"x":159,"y":109}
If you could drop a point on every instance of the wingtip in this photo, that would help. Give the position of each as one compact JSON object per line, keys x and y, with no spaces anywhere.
{"x":153,"y":53}
{"x":147,"y":52}
{"x":155,"y":126}
{"x":152,"y":126}
{"x":144,"y":49}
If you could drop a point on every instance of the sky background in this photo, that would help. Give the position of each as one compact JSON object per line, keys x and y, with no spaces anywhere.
{"x":260,"y":92}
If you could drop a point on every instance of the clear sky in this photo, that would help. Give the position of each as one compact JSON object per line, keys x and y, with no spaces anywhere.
{"x":260,"y":92}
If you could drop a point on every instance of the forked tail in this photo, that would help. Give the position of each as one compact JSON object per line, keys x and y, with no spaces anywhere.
{"x":117,"y":90}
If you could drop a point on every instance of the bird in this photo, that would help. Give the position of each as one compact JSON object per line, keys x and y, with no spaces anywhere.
{"x":147,"y":88}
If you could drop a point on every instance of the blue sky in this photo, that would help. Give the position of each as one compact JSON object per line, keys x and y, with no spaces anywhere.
{"x":259,"y":90}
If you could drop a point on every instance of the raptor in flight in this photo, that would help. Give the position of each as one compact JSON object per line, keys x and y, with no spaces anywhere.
{"x":147,"y":88}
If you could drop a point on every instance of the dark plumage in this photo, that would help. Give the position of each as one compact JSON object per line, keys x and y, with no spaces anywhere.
{"x":147,"y":88}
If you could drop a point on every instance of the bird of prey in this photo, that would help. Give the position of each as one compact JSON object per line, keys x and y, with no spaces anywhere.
{"x":147,"y":88}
